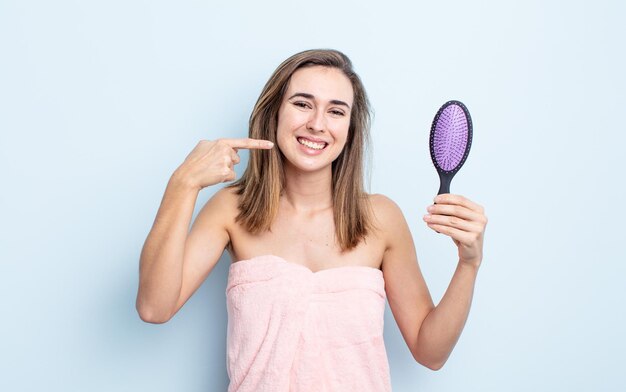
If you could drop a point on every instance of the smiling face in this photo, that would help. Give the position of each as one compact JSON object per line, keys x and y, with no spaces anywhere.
{"x":314,"y":117}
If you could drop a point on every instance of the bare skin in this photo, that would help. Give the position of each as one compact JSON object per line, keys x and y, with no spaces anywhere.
{"x":175,"y":261}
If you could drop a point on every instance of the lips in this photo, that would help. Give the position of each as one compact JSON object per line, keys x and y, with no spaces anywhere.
{"x":312,"y":144}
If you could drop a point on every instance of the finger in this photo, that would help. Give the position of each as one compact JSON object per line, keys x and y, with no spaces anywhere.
{"x":229,"y":176}
{"x":448,"y":198}
{"x":459,"y":235}
{"x":452,"y":221}
{"x":249,"y":143}
{"x":228,"y":161}
{"x":235,"y":158}
{"x":454,"y":210}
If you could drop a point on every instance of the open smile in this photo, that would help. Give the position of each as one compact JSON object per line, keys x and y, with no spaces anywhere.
{"x":314,"y":145}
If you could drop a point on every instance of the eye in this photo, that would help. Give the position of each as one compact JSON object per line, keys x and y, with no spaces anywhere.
{"x":337,"y":112}
{"x":302,"y":104}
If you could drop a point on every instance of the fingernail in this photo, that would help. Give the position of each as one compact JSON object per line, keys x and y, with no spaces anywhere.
{"x":430,"y":208}
{"x":270,"y":144}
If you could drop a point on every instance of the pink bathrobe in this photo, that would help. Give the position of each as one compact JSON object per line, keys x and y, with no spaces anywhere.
{"x":290,"y":329}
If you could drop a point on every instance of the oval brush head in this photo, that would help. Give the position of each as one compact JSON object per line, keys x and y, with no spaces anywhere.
{"x":450,"y":141}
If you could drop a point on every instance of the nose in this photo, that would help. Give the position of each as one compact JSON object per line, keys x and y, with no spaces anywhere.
{"x":317,"y":121}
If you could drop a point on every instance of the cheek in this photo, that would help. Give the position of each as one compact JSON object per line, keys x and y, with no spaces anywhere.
{"x":284,"y":135}
{"x":289,"y":121}
{"x":341,"y":134}
{"x":283,"y":130}
{"x":281,"y":126}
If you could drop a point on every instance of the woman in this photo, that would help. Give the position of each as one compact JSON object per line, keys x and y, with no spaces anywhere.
{"x":314,"y":256}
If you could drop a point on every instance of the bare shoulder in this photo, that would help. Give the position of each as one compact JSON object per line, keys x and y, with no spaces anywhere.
{"x":221,"y":208}
{"x":226,"y":198}
{"x":388,"y":219}
{"x":386,"y":212}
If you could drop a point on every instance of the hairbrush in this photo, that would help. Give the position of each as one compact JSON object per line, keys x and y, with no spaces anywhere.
{"x":450,"y":141}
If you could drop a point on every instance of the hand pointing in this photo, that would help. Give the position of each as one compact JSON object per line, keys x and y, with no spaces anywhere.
{"x":212,"y":162}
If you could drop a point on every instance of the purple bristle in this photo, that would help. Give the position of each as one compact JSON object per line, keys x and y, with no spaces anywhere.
{"x":450,"y":137}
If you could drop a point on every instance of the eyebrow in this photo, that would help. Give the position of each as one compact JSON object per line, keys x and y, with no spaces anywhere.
{"x":311,"y":96}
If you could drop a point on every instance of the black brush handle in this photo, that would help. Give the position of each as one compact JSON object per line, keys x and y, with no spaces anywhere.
{"x":445,"y":178}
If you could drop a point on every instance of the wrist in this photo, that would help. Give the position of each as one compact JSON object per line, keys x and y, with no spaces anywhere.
{"x":472,"y":264}
{"x":180,"y":180}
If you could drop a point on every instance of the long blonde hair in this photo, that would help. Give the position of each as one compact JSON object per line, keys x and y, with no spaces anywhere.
{"x":262,"y":183}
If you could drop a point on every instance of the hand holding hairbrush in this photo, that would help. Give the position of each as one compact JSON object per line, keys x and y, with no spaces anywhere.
{"x":454,"y":215}
{"x":450,"y":141}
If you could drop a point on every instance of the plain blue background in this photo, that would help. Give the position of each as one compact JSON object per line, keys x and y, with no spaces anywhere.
{"x":101,"y":101}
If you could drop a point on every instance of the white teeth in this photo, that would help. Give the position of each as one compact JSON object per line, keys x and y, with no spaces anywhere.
{"x":310,"y":144}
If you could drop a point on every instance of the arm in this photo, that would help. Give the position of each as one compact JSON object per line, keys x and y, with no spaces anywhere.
{"x":430,"y":332}
{"x":175,"y":261}
{"x":160,"y":265}
{"x":442,"y":327}
{"x":464,"y":221}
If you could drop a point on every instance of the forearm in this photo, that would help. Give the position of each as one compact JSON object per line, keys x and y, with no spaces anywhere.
{"x":161,"y":262}
{"x":442,"y":328}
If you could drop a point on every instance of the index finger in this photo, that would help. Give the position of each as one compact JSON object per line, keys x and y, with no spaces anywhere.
{"x":447,"y":198}
{"x":249,"y":143}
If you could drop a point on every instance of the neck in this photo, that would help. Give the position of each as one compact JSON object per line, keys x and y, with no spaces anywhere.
{"x":308,"y":192}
